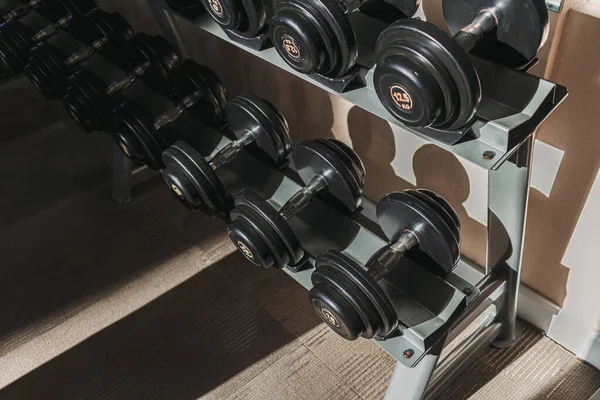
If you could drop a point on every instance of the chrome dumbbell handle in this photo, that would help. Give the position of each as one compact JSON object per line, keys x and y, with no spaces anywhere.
{"x":301,"y":199}
{"x":129,"y":79}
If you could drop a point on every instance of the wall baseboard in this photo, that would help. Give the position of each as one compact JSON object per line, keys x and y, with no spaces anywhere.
{"x":533,"y":307}
{"x":592,"y":353}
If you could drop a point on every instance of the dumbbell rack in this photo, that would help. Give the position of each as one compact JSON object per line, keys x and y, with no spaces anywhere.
{"x":501,"y":141}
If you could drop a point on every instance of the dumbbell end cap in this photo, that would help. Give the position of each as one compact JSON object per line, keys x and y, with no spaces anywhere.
{"x":336,"y":312}
{"x":409,"y":91}
{"x":250,"y":245}
{"x":182,"y":188}
{"x":297,"y":42}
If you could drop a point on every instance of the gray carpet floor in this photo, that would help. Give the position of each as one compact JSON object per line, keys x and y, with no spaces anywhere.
{"x":148,"y":301}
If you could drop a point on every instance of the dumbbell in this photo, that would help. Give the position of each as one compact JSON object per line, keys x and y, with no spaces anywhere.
{"x":143,"y":135}
{"x":262,"y":233}
{"x":52,"y":63}
{"x":347,"y":295}
{"x":316,"y":37}
{"x":193,"y":179}
{"x":18,"y":37}
{"x":92,"y":101}
{"x":188,"y":8}
{"x":247,"y":18}
{"x":425,"y":78}
{"x":17,"y":9}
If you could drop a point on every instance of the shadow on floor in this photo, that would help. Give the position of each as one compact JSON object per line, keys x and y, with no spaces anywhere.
{"x":230,"y":319}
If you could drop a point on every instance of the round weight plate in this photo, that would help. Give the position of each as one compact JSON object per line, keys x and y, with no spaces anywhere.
{"x":349,"y":157}
{"x":190,"y":77}
{"x":78,"y":7}
{"x":135,"y":134}
{"x":200,"y":174}
{"x":87,"y":102}
{"x":375,"y":307}
{"x":188,"y":8}
{"x":440,"y":209}
{"x":314,"y":36}
{"x":313,"y":158}
{"x":522,"y":28}
{"x":424,"y":78}
{"x":267,"y":230}
{"x":159,"y":53}
{"x":112,"y":26}
{"x":248,"y":113}
{"x":227,"y":13}
{"x":400,"y":212}
{"x":47,"y":71}
{"x":444,"y":203}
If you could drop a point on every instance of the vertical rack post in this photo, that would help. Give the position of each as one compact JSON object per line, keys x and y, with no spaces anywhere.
{"x":122,"y":174}
{"x":508,"y":194}
{"x":168,"y":27}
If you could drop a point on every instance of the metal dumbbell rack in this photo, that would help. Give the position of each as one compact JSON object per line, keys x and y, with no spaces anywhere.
{"x":436,"y":316}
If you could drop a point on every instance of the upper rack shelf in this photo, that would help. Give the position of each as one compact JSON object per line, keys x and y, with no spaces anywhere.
{"x":514,"y":103}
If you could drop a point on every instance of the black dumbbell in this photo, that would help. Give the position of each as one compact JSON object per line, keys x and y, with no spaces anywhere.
{"x":262,"y":233}
{"x":347,"y":296}
{"x":426,"y":79}
{"x":143,"y":136}
{"x":194,"y":180}
{"x":51,"y":64}
{"x":18,"y":37}
{"x":17,"y":9}
{"x":91,"y":102}
{"x":188,"y":8}
{"x":247,"y":18}
{"x":316,"y":37}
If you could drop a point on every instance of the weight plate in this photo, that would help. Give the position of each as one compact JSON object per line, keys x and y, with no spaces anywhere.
{"x":248,"y":113}
{"x":87,"y":102}
{"x":190,"y":77}
{"x":208,"y":186}
{"x":273,"y":230}
{"x":313,"y":158}
{"x":350,"y":157}
{"x":400,"y":212}
{"x":135,"y":134}
{"x":314,"y":36}
{"x":439,"y":209}
{"x":111,"y":26}
{"x":227,"y":13}
{"x":442,"y":202}
{"x":79,"y":7}
{"x":424,"y":78}
{"x":47,"y":71}
{"x":159,"y":53}
{"x":522,"y":29}
{"x":375,"y":307}
{"x":188,"y":8}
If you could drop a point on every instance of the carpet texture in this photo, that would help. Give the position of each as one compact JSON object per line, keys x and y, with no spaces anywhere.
{"x":147,"y":301}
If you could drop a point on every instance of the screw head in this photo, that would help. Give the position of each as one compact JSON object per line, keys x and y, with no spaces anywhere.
{"x":489,"y":155}
{"x":467,"y":291}
{"x":408,"y":353}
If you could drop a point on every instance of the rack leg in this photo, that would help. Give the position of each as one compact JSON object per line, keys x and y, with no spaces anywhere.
{"x":122,"y":173}
{"x":411,"y":383}
{"x":508,"y":191}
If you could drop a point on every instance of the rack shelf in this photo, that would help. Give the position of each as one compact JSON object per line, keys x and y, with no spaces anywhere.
{"x":504,"y":119}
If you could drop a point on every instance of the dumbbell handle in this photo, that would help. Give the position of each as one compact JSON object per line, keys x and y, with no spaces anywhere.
{"x":172,"y":114}
{"x":301,"y":199}
{"x":391,"y":255}
{"x":86,"y":52}
{"x":350,"y":5}
{"x":52,"y":28}
{"x":23,"y":10}
{"x":228,"y":153}
{"x":128,"y":80}
{"x":468,"y":37}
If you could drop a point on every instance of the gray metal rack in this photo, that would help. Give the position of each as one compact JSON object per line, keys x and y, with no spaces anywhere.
{"x":505,"y":126}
